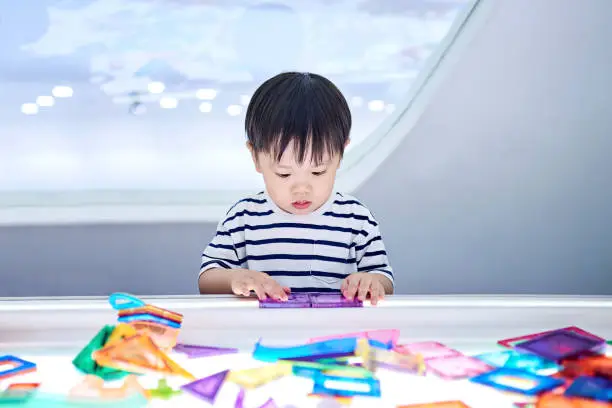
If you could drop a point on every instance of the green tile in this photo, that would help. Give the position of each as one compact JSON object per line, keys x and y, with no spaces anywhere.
{"x":86,"y":364}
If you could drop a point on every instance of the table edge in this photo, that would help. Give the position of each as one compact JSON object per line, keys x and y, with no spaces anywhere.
{"x":194,"y":302}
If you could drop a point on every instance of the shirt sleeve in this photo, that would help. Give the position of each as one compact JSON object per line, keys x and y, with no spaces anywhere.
{"x":221,"y":252}
{"x":370,"y":251}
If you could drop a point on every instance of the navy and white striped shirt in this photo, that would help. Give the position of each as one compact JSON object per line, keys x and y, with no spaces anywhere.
{"x":312,"y":252}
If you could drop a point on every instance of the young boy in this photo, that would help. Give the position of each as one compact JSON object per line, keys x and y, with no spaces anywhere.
{"x":299,"y":235}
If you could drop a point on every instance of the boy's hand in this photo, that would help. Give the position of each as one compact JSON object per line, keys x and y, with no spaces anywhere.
{"x":362,"y":284}
{"x":245,"y":280}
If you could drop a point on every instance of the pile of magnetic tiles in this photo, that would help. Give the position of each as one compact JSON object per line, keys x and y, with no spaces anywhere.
{"x":340,"y":367}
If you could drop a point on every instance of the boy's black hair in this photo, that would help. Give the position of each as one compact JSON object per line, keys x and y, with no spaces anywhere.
{"x":302,"y":108}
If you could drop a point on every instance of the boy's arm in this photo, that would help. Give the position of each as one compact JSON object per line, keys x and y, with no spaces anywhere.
{"x":216,"y":281}
{"x":220,"y":260}
{"x":372,"y":256}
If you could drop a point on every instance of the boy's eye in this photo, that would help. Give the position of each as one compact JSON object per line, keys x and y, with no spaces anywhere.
{"x":282,"y":175}
{"x":319,"y":173}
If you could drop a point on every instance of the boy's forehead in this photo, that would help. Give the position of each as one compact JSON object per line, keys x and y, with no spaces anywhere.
{"x":289,"y":158}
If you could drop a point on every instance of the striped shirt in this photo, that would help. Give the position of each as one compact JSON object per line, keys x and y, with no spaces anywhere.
{"x":307,"y":253}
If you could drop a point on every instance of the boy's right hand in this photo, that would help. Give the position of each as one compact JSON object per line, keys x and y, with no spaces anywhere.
{"x":245,"y":280}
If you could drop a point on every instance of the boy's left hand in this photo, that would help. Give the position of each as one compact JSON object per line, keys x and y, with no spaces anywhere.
{"x":362,"y":284}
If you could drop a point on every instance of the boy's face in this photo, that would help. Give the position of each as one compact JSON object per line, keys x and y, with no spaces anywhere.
{"x":297,"y":188}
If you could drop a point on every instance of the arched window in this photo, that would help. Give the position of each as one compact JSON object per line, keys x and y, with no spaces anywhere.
{"x":133,"y":110}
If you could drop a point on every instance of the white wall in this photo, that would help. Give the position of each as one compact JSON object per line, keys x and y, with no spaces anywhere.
{"x":505,"y":183}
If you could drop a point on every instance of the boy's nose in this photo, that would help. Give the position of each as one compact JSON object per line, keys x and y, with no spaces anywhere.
{"x":300,"y":188}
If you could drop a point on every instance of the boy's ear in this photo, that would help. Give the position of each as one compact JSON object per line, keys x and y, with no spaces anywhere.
{"x":253,"y":156}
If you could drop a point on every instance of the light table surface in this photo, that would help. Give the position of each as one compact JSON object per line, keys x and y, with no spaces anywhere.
{"x":51,"y":331}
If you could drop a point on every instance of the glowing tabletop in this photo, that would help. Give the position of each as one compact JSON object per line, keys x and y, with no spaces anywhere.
{"x":52,"y":331}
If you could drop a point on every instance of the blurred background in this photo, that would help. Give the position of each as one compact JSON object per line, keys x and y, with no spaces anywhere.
{"x":481,"y":140}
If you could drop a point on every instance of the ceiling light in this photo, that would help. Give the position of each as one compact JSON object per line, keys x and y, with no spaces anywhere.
{"x":205,"y":107}
{"x":168,"y":103}
{"x":156,"y":87}
{"x":45,"y":101}
{"x":234,"y":110}
{"x":207,"y":94}
{"x":29,"y":108}
{"x":62,"y":92}
{"x":376,"y":105}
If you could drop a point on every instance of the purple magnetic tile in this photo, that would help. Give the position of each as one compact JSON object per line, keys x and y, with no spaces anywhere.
{"x":195,"y":351}
{"x":294,"y":300}
{"x":559,"y":345}
{"x":269,"y":404}
{"x":240,"y":399}
{"x":207,"y":387}
{"x":330,"y":300}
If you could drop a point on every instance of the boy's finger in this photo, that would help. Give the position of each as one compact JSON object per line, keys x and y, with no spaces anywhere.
{"x":241,"y":289}
{"x":282,"y":295}
{"x":344,"y":285}
{"x":351,"y":289}
{"x":364,"y":287}
{"x":274,"y":290}
{"x":377,"y":293}
{"x":259,"y":290}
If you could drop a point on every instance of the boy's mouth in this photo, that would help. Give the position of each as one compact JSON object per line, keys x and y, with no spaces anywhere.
{"x":301,"y":205}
